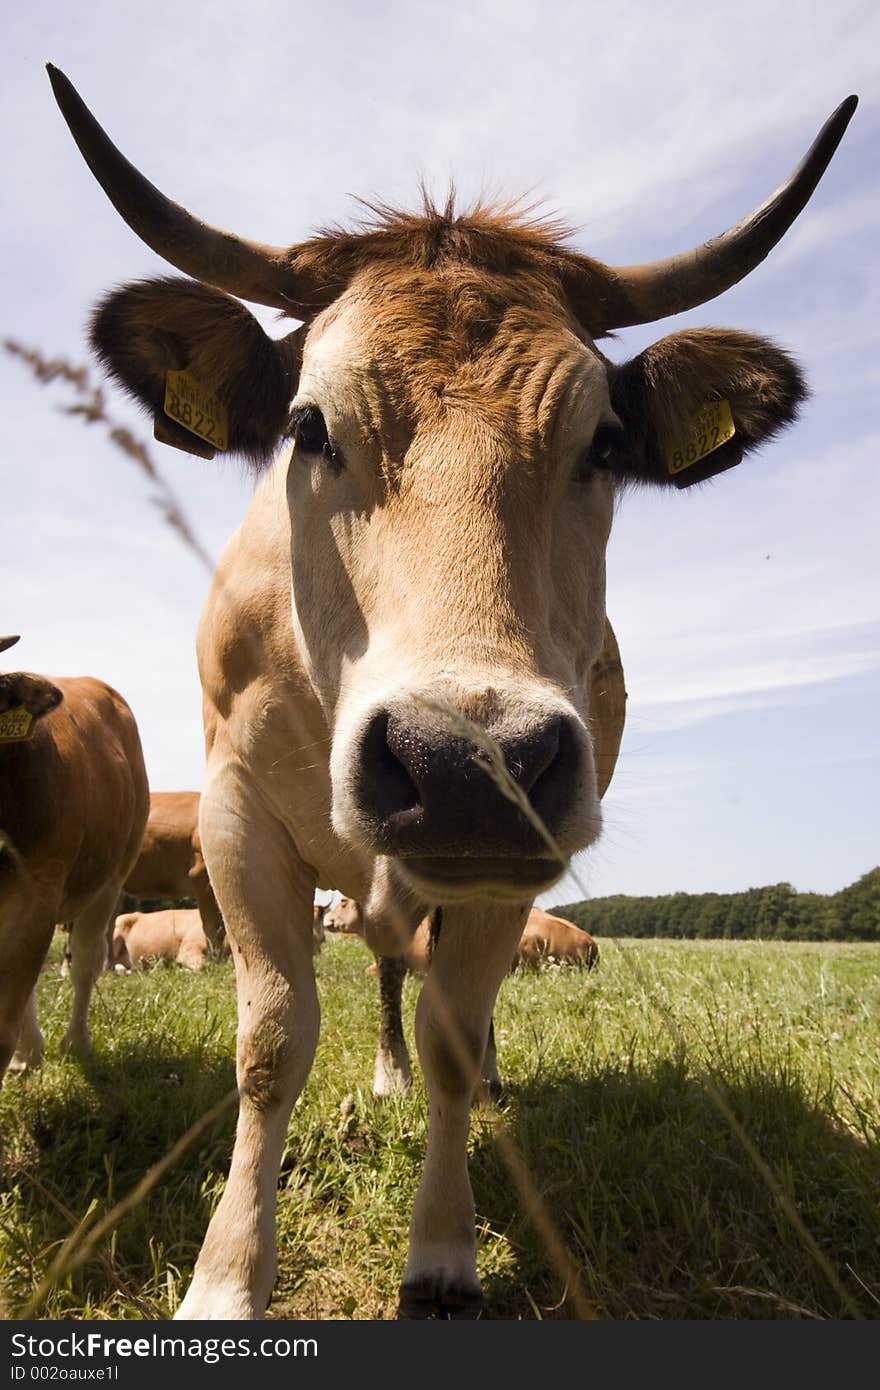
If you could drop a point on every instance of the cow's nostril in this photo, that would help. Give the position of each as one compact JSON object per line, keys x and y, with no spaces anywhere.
{"x":534,"y":757}
{"x":391,"y":792}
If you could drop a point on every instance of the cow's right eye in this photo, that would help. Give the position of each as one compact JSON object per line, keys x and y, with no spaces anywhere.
{"x":310,"y":430}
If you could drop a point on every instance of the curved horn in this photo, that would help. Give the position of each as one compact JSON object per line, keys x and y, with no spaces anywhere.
{"x":6,"y":642}
{"x":248,"y":269}
{"x":642,"y":293}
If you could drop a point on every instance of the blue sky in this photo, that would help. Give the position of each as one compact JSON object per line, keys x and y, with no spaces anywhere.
{"x":748,"y":612}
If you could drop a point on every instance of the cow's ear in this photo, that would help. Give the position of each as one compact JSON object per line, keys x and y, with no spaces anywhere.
{"x":199,"y":362}
{"x":38,"y":695}
{"x":692,"y":404}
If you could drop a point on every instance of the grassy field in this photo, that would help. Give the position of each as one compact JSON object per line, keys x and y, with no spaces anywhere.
{"x":620,"y":1087}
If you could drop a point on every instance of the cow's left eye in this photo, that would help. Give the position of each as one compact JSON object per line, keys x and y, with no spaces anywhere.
{"x":308,"y":426}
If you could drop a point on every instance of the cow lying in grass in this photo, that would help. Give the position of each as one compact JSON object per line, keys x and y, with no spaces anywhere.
{"x":545,"y":940}
{"x":175,"y":935}
{"x":73,"y":806}
{"x":554,"y":940}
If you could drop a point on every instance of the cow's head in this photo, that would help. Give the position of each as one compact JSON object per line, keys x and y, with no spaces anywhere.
{"x":346,"y":916}
{"x":458,"y":442}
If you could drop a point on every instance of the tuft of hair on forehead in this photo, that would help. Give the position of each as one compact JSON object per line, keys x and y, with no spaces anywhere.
{"x":506,"y":238}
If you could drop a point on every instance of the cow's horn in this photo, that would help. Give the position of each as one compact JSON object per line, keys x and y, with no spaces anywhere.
{"x":643,"y":293}
{"x":7,"y":642}
{"x":262,"y":274}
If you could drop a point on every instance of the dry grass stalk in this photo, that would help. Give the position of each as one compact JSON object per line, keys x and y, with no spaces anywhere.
{"x":91,"y":409}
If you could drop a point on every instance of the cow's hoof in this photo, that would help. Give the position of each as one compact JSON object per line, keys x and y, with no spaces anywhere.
{"x":78,"y":1046}
{"x":390,"y":1083}
{"x":24,"y":1061}
{"x":206,"y":1302}
{"x":433,"y":1296}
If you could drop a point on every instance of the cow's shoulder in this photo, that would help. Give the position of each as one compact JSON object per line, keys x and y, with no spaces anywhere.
{"x":244,"y":631}
{"x":256,"y":693}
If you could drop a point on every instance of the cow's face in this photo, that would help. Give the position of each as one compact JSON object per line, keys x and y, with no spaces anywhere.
{"x":457,"y":445}
{"x":346,"y":916}
{"x":449,"y":514}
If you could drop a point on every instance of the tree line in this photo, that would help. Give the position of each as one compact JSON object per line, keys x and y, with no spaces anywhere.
{"x":776,"y":912}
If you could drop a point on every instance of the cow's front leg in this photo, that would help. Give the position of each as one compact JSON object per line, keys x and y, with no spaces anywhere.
{"x":471,"y":957}
{"x":265,"y":894}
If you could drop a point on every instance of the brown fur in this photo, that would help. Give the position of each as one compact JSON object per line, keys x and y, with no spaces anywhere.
{"x":553,"y":939}
{"x":73,"y":806}
{"x":170,"y":863}
{"x":506,"y":240}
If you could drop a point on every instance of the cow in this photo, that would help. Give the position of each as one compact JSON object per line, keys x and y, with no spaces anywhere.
{"x":395,"y":651}
{"x":544,"y":939}
{"x":171,"y":864}
{"x":553,"y":939}
{"x":73,"y":806}
{"x":176,"y":935}
{"x":347,"y":919}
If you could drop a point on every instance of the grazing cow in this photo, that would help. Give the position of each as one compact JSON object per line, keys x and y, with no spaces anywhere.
{"x":73,"y":806}
{"x":415,"y":599}
{"x":174,"y":934}
{"x":171,"y":864}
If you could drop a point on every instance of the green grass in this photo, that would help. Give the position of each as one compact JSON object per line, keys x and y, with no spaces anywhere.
{"x":611,"y":1080}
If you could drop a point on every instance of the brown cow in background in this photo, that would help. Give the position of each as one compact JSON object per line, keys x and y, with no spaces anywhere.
{"x":548,"y":939}
{"x":170,"y":863}
{"x":73,"y":806}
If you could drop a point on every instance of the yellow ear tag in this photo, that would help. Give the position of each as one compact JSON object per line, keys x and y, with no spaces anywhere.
{"x":709,"y":429}
{"x":16,"y":725}
{"x":187,"y":402}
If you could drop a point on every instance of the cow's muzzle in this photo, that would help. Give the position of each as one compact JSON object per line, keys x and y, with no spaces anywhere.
{"x":425,"y":795}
